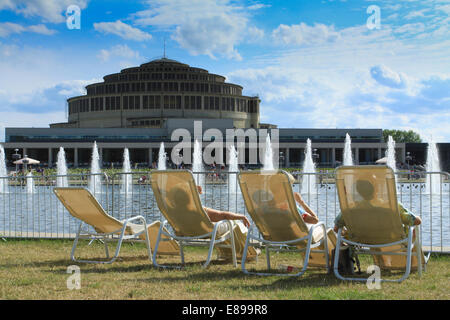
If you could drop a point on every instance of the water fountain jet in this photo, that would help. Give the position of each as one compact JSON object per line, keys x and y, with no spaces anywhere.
{"x":162,"y":157}
{"x":127,"y":177}
{"x":309,"y":180}
{"x":348,"y":157}
{"x":61,"y":169}
{"x":197,"y":165}
{"x":433,"y":183}
{"x":3,"y":171}
{"x":95,"y":179}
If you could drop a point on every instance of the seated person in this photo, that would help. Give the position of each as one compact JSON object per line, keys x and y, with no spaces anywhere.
{"x":267,"y":200}
{"x":217,"y":215}
{"x":240,"y":228}
{"x":367,"y":192}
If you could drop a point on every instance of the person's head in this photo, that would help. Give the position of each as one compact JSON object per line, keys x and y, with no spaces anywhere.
{"x":262,"y":197}
{"x":178,"y":196}
{"x":291,"y":178}
{"x":365,"y":189}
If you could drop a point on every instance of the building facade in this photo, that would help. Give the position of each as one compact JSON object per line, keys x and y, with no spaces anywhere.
{"x":148,"y":95}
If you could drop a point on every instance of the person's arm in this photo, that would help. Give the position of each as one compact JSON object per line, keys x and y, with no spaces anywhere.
{"x":338,"y":222}
{"x":217,"y":215}
{"x":310,"y":216}
{"x":408,"y":218}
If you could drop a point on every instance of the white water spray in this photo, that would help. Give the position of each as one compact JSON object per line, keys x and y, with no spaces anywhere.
{"x":61,"y":169}
{"x":433,"y":181}
{"x":233,"y":167}
{"x":309,"y":180}
{"x":127,"y":177}
{"x":390,"y":154}
{"x":30,"y":183}
{"x":95,"y":179}
{"x":162,"y":157}
{"x":348,"y":157}
{"x":197,"y":165}
{"x":3,"y":171}
{"x":268,"y":155}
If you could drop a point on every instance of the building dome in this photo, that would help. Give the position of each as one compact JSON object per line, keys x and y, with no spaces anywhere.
{"x":147,"y":95}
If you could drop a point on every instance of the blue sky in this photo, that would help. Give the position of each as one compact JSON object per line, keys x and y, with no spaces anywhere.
{"x":314,"y":63}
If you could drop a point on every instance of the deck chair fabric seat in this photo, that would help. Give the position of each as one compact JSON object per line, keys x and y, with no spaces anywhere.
{"x":178,"y":200}
{"x":82,"y":204}
{"x":269,"y":200}
{"x":369,"y":208}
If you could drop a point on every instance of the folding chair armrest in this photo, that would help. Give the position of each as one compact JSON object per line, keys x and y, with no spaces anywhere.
{"x":134,"y":218}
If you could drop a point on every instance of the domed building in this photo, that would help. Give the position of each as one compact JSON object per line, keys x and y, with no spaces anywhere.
{"x":148,"y":95}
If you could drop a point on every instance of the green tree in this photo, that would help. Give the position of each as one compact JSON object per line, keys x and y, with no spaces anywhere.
{"x":402,"y":136}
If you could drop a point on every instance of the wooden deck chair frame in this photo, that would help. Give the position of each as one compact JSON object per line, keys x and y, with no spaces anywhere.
{"x":365,"y":248}
{"x":268,"y":244}
{"x":205,"y":239}
{"x":118,"y":235}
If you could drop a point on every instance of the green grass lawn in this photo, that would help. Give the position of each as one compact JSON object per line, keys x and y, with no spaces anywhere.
{"x":37,"y":269}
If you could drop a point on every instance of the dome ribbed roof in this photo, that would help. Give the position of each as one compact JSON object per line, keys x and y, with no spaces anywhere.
{"x":165,"y":61}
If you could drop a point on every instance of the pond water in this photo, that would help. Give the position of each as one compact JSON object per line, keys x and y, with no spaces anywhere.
{"x":41,"y":212}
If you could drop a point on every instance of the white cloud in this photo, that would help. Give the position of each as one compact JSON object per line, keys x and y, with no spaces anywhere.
{"x":121,"y":51}
{"x":386,"y":77}
{"x":258,"y":6}
{"x":44,"y":99}
{"x":410,"y":28}
{"x":41,"y":29}
{"x":9,"y":28}
{"x":255,"y":34}
{"x":122,"y":30}
{"x":302,"y":34}
{"x":209,"y":27}
{"x":49,"y":10}
{"x":366,"y":79}
{"x":416,"y":14}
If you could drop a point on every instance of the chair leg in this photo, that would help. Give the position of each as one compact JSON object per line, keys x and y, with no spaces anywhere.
{"x":158,"y":240}
{"x":211,"y":246}
{"x":106,"y":249}
{"x":268,"y":256}
{"x":182,"y":252}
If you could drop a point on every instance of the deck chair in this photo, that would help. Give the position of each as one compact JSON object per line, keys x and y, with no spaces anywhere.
{"x":177,"y":197}
{"x":82,"y":205}
{"x":369,"y":207}
{"x":269,"y":200}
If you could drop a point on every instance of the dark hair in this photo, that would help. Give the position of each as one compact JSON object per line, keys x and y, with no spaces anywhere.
{"x":179,"y":195}
{"x":262,"y":196}
{"x":365,"y":189}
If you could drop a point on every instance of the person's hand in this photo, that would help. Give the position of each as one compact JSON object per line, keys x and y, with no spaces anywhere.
{"x":199,"y":188}
{"x":245,"y":221}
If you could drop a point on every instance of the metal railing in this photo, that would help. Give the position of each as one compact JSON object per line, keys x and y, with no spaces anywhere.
{"x":29,"y":209}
